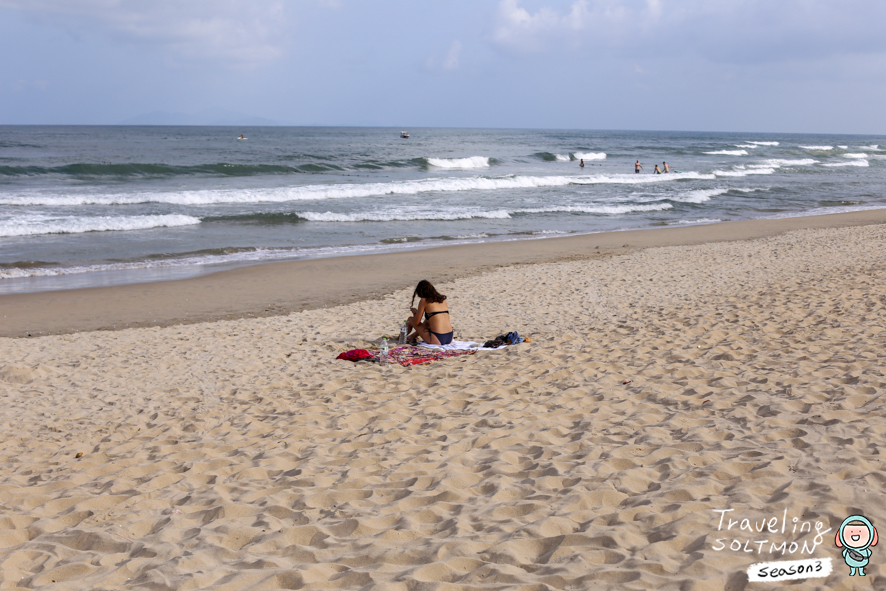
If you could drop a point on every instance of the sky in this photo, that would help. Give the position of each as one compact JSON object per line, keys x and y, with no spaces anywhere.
{"x":805,"y":66}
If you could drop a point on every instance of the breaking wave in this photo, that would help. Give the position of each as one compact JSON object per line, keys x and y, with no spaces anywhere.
{"x":699,"y":196}
{"x":849,"y":163}
{"x":32,"y":225}
{"x":742,"y":171}
{"x":390,"y":216}
{"x":342,"y":191}
{"x":552,"y":157}
{"x":472,"y":162}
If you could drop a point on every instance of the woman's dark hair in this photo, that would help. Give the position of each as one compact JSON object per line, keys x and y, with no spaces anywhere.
{"x":425,"y":290}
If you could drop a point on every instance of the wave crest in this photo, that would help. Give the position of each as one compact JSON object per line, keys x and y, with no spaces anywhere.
{"x":344,"y":191}
{"x":849,"y":163}
{"x":471,"y":162}
{"x":39,"y":224}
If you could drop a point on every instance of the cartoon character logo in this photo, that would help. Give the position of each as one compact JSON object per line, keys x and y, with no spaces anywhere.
{"x":856,"y":536}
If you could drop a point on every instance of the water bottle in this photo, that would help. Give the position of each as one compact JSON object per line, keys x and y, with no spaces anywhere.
{"x":383,"y":358}
{"x":403,"y":332}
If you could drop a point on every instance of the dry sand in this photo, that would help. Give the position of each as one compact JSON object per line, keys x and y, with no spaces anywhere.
{"x":660,"y":386}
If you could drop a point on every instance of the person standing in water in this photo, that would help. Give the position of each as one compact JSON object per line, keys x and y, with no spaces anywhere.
{"x":582,"y":163}
{"x":637,"y":166}
{"x":657,"y":170}
{"x":665,"y":167}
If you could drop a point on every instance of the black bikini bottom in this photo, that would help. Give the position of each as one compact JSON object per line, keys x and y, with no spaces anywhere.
{"x":445,"y":338}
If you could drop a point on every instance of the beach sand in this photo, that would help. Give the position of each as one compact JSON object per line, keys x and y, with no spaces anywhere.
{"x":663,"y":384}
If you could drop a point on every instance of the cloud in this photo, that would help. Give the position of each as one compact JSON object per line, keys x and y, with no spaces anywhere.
{"x":240,"y":34}
{"x":738,"y":31}
{"x":523,"y":31}
{"x":547,"y":29}
{"x":450,"y":62}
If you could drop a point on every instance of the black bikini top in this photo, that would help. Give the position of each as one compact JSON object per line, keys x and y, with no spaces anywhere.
{"x":428,"y":316}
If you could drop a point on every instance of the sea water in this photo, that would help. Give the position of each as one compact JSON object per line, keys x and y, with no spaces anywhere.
{"x":88,"y":206}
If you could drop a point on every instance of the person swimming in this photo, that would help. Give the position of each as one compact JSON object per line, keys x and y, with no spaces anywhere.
{"x":436,"y":328}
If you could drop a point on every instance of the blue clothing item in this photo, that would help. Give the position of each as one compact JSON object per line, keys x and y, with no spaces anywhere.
{"x":854,"y":563}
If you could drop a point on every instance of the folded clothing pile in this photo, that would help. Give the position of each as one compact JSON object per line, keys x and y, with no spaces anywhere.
{"x":512,"y":338}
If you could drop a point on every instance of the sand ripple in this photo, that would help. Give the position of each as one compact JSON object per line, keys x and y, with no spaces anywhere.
{"x":660,"y":385}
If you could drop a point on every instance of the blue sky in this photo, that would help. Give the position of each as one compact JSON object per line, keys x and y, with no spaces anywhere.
{"x":816,"y":66}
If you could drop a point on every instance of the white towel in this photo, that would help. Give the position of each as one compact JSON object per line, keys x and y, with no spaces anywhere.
{"x":460,"y":346}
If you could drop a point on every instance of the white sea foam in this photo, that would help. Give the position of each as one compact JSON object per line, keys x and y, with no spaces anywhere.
{"x":745,"y":171}
{"x":698,"y":221}
{"x":402,"y":216}
{"x":746,"y":146}
{"x":472,"y":162}
{"x":699,"y":195}
{"x":562,"y":157}
{"x":843,"y":147}
{"x":342,"y":191}
{"x":818,"y":148}
{"x":824,"y":210}
{"x":590,"y":155}
{"x":779,"y":162}
{"x":764,"y":143}
{"x":601,"y":209}
{"x":850,"y":163}
{"x":871,"y":147}
{"x":857,"y":155}
{"x":32,"y":225}
{"x":728,"y":153}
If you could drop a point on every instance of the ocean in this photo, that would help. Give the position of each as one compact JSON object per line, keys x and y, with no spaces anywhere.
{"x":90,"y":206}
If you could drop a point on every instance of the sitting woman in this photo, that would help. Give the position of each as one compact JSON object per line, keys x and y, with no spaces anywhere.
{"x":436,"y":328}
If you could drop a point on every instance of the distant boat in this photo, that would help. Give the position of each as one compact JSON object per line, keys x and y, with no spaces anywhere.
{"x":404,"y":135}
